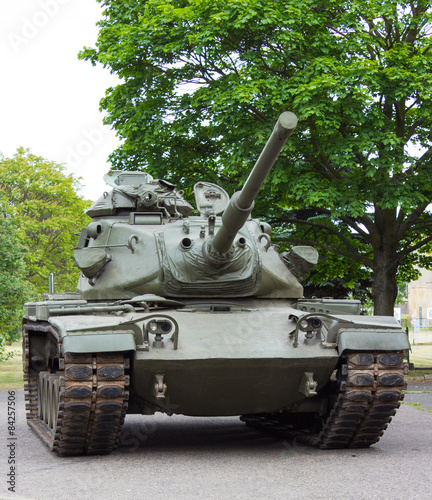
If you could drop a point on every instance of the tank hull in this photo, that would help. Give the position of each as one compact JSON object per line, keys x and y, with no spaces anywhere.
{"x":89,"y":364}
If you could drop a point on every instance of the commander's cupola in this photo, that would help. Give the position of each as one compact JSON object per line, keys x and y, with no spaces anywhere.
{"x":139,"y":192}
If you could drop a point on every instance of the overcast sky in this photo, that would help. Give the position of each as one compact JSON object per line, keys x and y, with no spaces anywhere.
{"x":49,"y":100}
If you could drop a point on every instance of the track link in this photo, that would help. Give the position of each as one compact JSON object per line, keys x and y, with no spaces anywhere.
{"x":361,"y":404}
{"x":80,"y":408}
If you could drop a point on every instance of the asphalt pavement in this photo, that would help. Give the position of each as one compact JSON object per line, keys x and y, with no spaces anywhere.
{"x":179,"y":457}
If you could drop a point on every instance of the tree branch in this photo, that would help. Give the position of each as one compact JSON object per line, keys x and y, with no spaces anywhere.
{"x":325,"y":228}
{"x":415,"y":247}
{"x":410,"y":220}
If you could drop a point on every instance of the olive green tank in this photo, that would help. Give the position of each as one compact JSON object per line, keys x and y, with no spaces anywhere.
{"x":199,"y":315}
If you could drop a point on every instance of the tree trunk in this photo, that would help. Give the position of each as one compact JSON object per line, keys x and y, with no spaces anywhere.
{"x":384,"y":289}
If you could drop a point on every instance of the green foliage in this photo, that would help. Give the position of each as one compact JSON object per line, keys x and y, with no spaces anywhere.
{"x":6,"y":356}
{"x":203,"y":82}
{"x":41,"y":202}
{"x":14,"y":288}
{"x":336,"y":275}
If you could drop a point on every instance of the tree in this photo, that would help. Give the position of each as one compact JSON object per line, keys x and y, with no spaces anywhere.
{"x":14,"y":288}
{"x":42,"y":203}
{"x":204,"y":81}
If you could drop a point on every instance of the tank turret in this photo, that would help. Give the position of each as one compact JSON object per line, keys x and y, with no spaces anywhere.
{"x":143,"y":240}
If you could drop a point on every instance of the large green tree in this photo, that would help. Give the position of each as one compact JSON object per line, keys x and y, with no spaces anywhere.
{"x":42,"y":202}
{"x":14,"y":287}
{"x":203,"y":81}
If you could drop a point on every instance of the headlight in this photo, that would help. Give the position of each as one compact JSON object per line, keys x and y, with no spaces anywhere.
{"x":316,"y":323}
{"x":159,"y":326}
{"x":304,"y":323}
{"x":309,"y":324}
{"x":166,"y":326}
{"x":153,"y":326}
{"x":162,"y":328}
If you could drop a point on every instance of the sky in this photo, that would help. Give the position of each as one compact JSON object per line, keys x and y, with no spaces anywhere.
{"x":49,"y":100}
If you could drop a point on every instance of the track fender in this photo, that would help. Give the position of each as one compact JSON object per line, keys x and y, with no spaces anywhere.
{"x":98,"y":342}
{"x":372,"y":340}
{"x":91,"y":335}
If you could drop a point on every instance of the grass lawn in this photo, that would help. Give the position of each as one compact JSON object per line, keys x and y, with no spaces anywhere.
{"x":11,"y":375}
{"x":11,"y":371}
{"x":421,"y":356}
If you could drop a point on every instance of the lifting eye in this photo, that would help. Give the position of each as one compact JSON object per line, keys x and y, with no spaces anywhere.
{"x":266,"y":237}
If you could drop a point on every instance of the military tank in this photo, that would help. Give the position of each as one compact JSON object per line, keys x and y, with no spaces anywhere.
{"x":201,"y":316}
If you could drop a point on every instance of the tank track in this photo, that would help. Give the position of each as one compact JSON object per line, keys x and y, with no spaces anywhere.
{"x":80,"y":408}
{"x":361,"y":403}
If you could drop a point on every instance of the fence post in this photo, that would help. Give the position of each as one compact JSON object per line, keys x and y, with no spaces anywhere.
{"x":410,"y":365}
{"x":51,"y":283}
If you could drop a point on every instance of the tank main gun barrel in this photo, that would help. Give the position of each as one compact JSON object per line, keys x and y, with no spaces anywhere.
{"x":242,"y":202}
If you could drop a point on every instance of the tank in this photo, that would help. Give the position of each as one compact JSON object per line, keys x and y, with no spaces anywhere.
{"x":200,"y":315}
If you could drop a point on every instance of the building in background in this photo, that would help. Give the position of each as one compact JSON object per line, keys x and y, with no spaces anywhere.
{"x":420,"y":308}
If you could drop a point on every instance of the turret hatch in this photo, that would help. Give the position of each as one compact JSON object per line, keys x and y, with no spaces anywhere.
{"x":210,"y":198}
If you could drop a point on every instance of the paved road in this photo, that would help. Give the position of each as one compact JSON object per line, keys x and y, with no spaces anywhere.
{"x":178,"y":457}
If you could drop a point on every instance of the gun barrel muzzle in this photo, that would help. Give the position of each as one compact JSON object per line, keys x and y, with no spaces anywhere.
{"x":241,"y":204}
